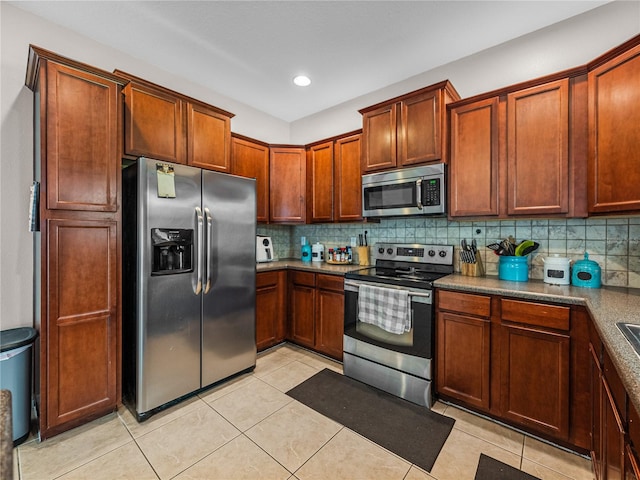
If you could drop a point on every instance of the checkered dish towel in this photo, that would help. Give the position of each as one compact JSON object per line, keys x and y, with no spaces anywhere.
{"x":386,"y":308}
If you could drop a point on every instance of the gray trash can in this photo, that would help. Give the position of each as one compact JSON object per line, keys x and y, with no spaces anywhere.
{"x":16,"y":353}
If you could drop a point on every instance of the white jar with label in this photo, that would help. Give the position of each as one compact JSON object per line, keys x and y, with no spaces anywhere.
{"x":557,"y":270}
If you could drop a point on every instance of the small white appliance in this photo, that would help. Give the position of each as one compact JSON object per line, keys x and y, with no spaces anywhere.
{"x":264,"y":249}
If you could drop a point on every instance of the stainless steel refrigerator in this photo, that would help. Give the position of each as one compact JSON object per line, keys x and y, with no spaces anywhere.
{"x":188,"y":248}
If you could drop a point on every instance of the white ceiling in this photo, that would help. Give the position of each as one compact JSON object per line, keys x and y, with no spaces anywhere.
{"x":250,"y":50}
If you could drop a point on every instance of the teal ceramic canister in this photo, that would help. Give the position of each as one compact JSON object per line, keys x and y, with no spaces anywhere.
{"x":306,"y":253}
{"x":586,"y":273}
{"x":514,"y":269}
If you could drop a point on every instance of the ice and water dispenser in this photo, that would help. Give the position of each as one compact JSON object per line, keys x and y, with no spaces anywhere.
{"x":172,"y":250}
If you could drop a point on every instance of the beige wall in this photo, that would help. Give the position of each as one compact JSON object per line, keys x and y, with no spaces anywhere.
{"x":564,"y":45}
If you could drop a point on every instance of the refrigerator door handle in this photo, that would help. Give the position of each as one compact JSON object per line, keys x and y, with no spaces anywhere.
{"x":199,"y":248}
{"x":207,"y":285}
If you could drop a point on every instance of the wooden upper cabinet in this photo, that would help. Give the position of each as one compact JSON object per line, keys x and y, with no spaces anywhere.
{"x":421,"y":129}
{"x":165,"y":125}
{"x":538,"y":150}
{"x":320,"y":183}
{"x":81,"y":140}
{"x":347,"y":180}
{"x":287,"y":181}
{"x":521,"y":151}
{"x":407,"y":130}
{"x":614,"y":135}
{"x":474,"y":163}
{"x":380,"y":139}
{"x":251,"y":159}
{"x":208,"y":138}
{"x":154,"y":124}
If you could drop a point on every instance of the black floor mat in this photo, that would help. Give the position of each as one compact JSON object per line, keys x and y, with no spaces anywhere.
{"x":410,"y":431}
{"x":492,"y":469}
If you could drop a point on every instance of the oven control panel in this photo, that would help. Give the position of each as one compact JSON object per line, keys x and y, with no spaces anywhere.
{"x":435,"y":254}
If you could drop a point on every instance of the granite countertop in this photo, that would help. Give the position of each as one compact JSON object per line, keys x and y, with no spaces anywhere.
{"x":318,"y":267}
{"x":607,"y":305}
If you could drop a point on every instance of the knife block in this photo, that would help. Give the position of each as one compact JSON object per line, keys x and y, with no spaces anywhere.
{"x":473,"y":269}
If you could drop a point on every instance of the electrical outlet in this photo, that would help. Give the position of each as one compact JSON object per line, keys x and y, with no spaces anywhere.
{"x":353,"y":242}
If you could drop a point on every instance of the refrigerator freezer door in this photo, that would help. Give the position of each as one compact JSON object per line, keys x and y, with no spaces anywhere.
{"x":168,"y":336}
{"x":228,"y":319}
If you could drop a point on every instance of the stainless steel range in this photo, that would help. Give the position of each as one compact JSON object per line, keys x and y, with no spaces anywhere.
{"x":389,"y":319}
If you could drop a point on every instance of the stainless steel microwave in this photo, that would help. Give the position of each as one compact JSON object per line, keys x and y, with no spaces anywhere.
{"x":409,"y":191}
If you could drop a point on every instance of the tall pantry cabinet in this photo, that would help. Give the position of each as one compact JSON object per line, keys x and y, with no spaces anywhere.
{"x":77,"y":130}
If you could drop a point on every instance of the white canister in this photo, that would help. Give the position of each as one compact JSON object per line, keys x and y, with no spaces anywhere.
{"x":557,"y":270}
{"x":317,"y":252}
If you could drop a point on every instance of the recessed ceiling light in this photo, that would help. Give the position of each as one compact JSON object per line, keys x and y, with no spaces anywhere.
{"x":302,"y":81}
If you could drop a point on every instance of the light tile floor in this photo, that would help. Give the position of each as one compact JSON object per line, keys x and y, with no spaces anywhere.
{"x":248,"y":428}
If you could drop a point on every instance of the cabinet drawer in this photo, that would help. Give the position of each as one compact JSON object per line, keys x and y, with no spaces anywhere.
{"x":538,"y":314}
{"x":265,"y":279}
{"x":330,"y":282}
{"x":303,"y":278}
{"x":464,"y":303}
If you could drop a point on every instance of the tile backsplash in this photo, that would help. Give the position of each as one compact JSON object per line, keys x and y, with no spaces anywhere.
{"x":613,"y":242}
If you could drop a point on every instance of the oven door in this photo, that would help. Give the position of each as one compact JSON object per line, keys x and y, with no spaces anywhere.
{"x":417,"y":342}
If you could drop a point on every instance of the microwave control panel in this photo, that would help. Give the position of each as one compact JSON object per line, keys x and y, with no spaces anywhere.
{"x":431,"y":192}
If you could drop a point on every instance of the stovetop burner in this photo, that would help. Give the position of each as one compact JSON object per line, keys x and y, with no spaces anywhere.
{"x":410,"y":265}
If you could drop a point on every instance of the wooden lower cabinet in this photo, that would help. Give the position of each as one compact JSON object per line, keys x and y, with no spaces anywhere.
{"x":79,"y":349}
{"x":302,"y":296}
{"x":329,"y":321}
{"x":316,"y":312}
{"x":534,"y":375}
{"x":271,"y":291}
{"x":615,"y":435}
{"x":464,"y":342}
{"x":515,"y":361}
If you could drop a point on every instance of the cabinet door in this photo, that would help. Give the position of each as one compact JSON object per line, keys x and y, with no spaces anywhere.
{"x":302,"y":308}
{"x":597,"y":395}
{"x":82,"y":144}
{"x":154,"y":124}
{"x":473,"y":166}
{"x":329,"y":319}
{"x":270,"y":308}
{"x":463,"y":358}
{"x":614,"y":437}
{"x":320,"y":183}
{"x":614,"y":136}
{"x":251,"y":160}
{"x":419,"y":140}
{"x":208,"y":137}
{"x":535,"y":378}
{"x":379,"y":139}
{"x":288,"y":184}
{"x":79,"y":352}
{"x":347,"y":180}
{"x":538,"y":149}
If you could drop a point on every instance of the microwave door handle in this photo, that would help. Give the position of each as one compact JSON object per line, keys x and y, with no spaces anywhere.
{"x":207,"y":285}
{"x":419,"y":194}
{"x":197,"y":287}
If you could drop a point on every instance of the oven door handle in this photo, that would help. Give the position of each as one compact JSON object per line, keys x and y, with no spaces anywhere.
{"x":420,"y":297}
